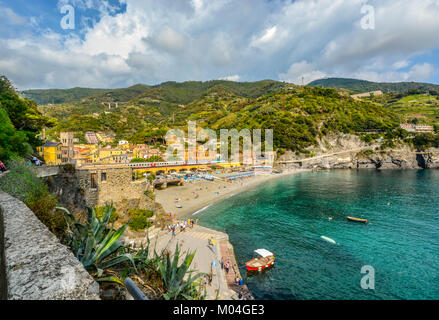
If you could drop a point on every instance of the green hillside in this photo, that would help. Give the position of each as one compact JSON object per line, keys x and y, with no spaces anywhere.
{"x":173,"y":92}
{"x":46,"y":96}
{"x":359,"y":86}
{"x":298,"y":115}
{"x":416,"y":108}
{"x":118,"y":95}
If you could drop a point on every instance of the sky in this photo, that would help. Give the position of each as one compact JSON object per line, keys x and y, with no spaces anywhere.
{"x":118,"y":43}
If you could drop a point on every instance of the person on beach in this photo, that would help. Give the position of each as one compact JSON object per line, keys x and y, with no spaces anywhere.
{"x":173,"y":231}
{"x":222,"y":263}
{"x":196,"y":221}
{"x":2,"y":167}
{"x":213,"y":242}
{"x":227,"y":267}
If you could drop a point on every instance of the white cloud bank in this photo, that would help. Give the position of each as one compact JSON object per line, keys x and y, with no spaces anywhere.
{"x":155,"y":41}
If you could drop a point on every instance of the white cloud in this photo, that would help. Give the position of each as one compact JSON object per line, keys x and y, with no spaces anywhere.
{"x":301,"y":71}
{"x":8,"y":16}
{"x":231,"y":78}
{"x":266,"y":37}
{"x":156,"y":41}
{"x":168,"y":40}
{"x":420,"y":72}
{"x":401,"y":64}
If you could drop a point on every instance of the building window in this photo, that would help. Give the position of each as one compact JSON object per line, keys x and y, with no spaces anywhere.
{"x":103,"y":176}
{"x":94,"y":182}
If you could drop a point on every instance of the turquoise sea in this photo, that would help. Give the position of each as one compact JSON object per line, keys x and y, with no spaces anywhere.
{"x":289,"y":215}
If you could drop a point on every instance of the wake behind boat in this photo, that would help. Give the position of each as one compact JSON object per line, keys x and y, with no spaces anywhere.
{"x":265,"y":261}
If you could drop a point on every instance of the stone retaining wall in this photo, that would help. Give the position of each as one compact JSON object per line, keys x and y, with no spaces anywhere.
{"x":37,"y":265}
{"x":3,"y":283}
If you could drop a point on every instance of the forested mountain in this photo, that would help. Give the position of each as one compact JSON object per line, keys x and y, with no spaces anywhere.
{"x":46,"y":96}
{"x":172,"y":92}
{"x":298,"y":115}
{"x":359,"y":86}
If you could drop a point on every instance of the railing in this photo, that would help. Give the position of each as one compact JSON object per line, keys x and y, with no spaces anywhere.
{"x":133,"y":290}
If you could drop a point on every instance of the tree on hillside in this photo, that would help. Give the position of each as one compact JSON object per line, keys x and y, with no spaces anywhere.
{"x":20,"y":120}
{"x":12,"y":142}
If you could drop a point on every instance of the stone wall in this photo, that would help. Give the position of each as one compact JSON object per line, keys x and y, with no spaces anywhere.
{"x":3,"y":283}
{"x":113,"y":184}
{"x":118,"y":185}
{"x":37,"y":265}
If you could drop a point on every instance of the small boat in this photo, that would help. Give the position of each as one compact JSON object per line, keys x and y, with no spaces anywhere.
{"x":265,"y":261}
{"x":358,"y":220}
{"x":328,"y":239}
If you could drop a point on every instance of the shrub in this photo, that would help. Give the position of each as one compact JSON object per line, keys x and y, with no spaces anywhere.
{"x":101,"y":210}
{"x":179,"y":281}
{"x":22,"y":183}
{"x":94,"y":244}
{"x":150,"y":194}
{"x":136,"y":160}
{"x":139,"y":218}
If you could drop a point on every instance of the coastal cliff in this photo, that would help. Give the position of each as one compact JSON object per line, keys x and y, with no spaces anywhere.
{"x":350,"y":152}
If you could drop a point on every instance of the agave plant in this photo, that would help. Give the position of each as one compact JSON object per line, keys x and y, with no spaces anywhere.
{"x":93,"y":242}
{"x":174,"y":277}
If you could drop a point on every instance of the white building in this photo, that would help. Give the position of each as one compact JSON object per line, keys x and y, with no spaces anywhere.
{"x":122,"y":142}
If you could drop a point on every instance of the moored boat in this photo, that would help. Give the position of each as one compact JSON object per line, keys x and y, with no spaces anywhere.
{"x":357,"y":219}
{"x":265,"y":261}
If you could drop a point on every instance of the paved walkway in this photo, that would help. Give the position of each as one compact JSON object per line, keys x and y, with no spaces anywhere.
{"x":197,"y":238}
{"x":228,"y":255}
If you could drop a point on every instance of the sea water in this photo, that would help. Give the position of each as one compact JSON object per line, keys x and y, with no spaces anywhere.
{"x":288,"y":216}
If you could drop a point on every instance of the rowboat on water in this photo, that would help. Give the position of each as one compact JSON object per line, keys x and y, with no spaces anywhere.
{"x":328,"y":239}
{"x":265,"y":261}
{"x":358,"y":220}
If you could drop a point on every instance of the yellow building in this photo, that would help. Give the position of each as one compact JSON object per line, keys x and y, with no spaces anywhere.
{"x":50,"y":152}
{"x":106,"y":155}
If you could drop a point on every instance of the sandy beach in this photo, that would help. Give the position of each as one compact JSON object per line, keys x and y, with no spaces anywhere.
{"x":198,"y":195}
{"x":194,"y":197}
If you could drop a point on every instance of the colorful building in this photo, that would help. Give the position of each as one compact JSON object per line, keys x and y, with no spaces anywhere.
{"x":51,"y":153}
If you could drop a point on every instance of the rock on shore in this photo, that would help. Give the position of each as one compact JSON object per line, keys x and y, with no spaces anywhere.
{"x":349,"y":152}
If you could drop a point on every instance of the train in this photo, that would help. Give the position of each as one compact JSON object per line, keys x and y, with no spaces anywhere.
{"x":173,"y":163}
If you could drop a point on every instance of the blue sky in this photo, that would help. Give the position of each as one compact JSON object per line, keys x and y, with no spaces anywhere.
{"x":117,"y":43}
